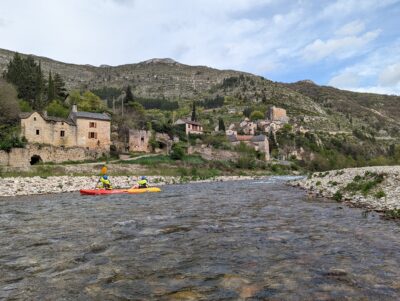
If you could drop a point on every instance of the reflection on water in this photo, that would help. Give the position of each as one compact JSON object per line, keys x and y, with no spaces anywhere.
{"x":250,"y":240}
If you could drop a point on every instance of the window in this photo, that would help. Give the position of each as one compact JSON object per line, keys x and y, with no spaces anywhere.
{"x":92,"y":135}
{"x":34,"y":118}
{"x":62,"y":133}
{"x":37,"y":132}
{"x":62,"y":123}
{"x":142,"y":139}
{"x":92,"y":124}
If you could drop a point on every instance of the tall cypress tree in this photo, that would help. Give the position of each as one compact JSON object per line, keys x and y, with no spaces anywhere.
{"x":221,"y":125}
{"x":129,"y":95}
{"x":50,"y":89}
{"x":40,"y":86}
{"x":194,"y":117}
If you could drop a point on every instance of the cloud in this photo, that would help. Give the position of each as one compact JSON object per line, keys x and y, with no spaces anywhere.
{"x":378,"y":72}
{"x":395,"y":90}
{"x":339,"y":48}
{"x":346,"y":80}
{"x":390,"y":76}
{"x":343,"y":8}
{"x":279,"y":39}
{"x":351,"y":29}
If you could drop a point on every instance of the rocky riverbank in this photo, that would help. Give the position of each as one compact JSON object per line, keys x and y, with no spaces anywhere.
{"x":15,"y":186}
{"x":376,"y":188}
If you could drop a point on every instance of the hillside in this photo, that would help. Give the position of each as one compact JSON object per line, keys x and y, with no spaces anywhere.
{"x":325,"y":108}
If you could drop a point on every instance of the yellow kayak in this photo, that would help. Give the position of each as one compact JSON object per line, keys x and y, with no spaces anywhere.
{"x":119,"y":191}
{"x":142,"y":190}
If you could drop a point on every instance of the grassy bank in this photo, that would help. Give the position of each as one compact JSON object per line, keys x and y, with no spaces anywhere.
{"x":192,"y":166}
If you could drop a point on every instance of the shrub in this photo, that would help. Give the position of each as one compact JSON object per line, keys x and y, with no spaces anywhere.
{"x":177,"y":151}
{"x":380,"y":194}
{"x":256,"y":115}
{"x":392,"y":214}
{"x":338,"y":196}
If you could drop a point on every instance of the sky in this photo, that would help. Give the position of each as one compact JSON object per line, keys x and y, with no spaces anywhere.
{"x":348,"y":44}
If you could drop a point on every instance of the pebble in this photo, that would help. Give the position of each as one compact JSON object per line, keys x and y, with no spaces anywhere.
{"x":326,"y":184}
{"x":17,"y":186}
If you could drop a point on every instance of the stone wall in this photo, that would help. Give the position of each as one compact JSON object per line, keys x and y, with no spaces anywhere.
{"x":139,"y":141}
{"x":210,"y":153}
{"x":21,"y":157}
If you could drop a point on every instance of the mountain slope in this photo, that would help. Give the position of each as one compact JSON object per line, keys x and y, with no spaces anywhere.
{"x":328,"y":108}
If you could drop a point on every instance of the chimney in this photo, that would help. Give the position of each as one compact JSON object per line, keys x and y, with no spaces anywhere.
{"x":44,"y":113}
{"x":74,"y":109}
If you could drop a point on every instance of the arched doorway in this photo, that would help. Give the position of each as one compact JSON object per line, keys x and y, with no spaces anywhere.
{"x":35,"y":159}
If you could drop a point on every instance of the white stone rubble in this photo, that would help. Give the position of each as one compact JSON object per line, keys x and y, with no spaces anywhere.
{"x":37,"y":185}
{"x":326,"y":184}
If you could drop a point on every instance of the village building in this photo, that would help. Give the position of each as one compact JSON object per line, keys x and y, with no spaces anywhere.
{"x":191,"y":127}
{"x":81,"y":129}
{"x":277,"y":114}
{"x":259,"y":143}
{"x":248,"y":127}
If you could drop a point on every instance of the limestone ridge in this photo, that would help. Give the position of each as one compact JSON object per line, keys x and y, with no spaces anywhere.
{"x":320,"y":107}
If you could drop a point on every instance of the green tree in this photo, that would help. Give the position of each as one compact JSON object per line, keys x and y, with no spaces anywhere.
{"x":60,"y":91}
{"x":129,"y":96}
{"x":194,"y":117}
{"x":247,"y":111}
{"x":28,"y":78}
{"x":57,"y":109}
{"x":256,"y":115}
{"x":50,"y":89}
{"x":40,"y":87}
{"x":9,"y":110}
{"x":87,"y":101}
{"x":177,"y":151}
{"x":9,"y":106}
{"x":221,"y":125}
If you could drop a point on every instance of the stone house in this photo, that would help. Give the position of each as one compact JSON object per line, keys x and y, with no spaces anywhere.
{"x":191,"y":127}
{"x":81,"y":129}
{"x":277,"y":114}
{"x":259,"y":143}
{"x":248,"y":127}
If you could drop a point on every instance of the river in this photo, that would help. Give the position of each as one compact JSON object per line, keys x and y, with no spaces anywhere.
{"x":243,"y":240}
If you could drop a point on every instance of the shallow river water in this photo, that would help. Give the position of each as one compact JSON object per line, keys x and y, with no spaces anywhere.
{"x":244,"y":240}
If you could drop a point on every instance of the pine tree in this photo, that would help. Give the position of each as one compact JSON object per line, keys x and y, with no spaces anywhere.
{"x":50,"y":89}
{"x":194,"y":117}
{"x":60,"y":92}
{"x":27,"y":76}
{"x":129,"y":95}
{"x":221,"y":125}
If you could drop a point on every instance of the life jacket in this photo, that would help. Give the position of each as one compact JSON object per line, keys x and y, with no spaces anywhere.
{"x":106,"y":183}
{"x":143,"y":183}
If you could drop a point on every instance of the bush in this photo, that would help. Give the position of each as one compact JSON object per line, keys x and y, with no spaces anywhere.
{"x":246,"y":162}
{"x":338,"y":196}
{"x":177,"y":151}
{"x":366,"y":183}
{"x":380,"y":194}
{"x":256,"y":115}
{"x":55,"y":108}
{"x":392,"y":214}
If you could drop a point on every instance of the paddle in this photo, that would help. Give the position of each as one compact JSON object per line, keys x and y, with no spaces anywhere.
{"x":102,"y":173}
